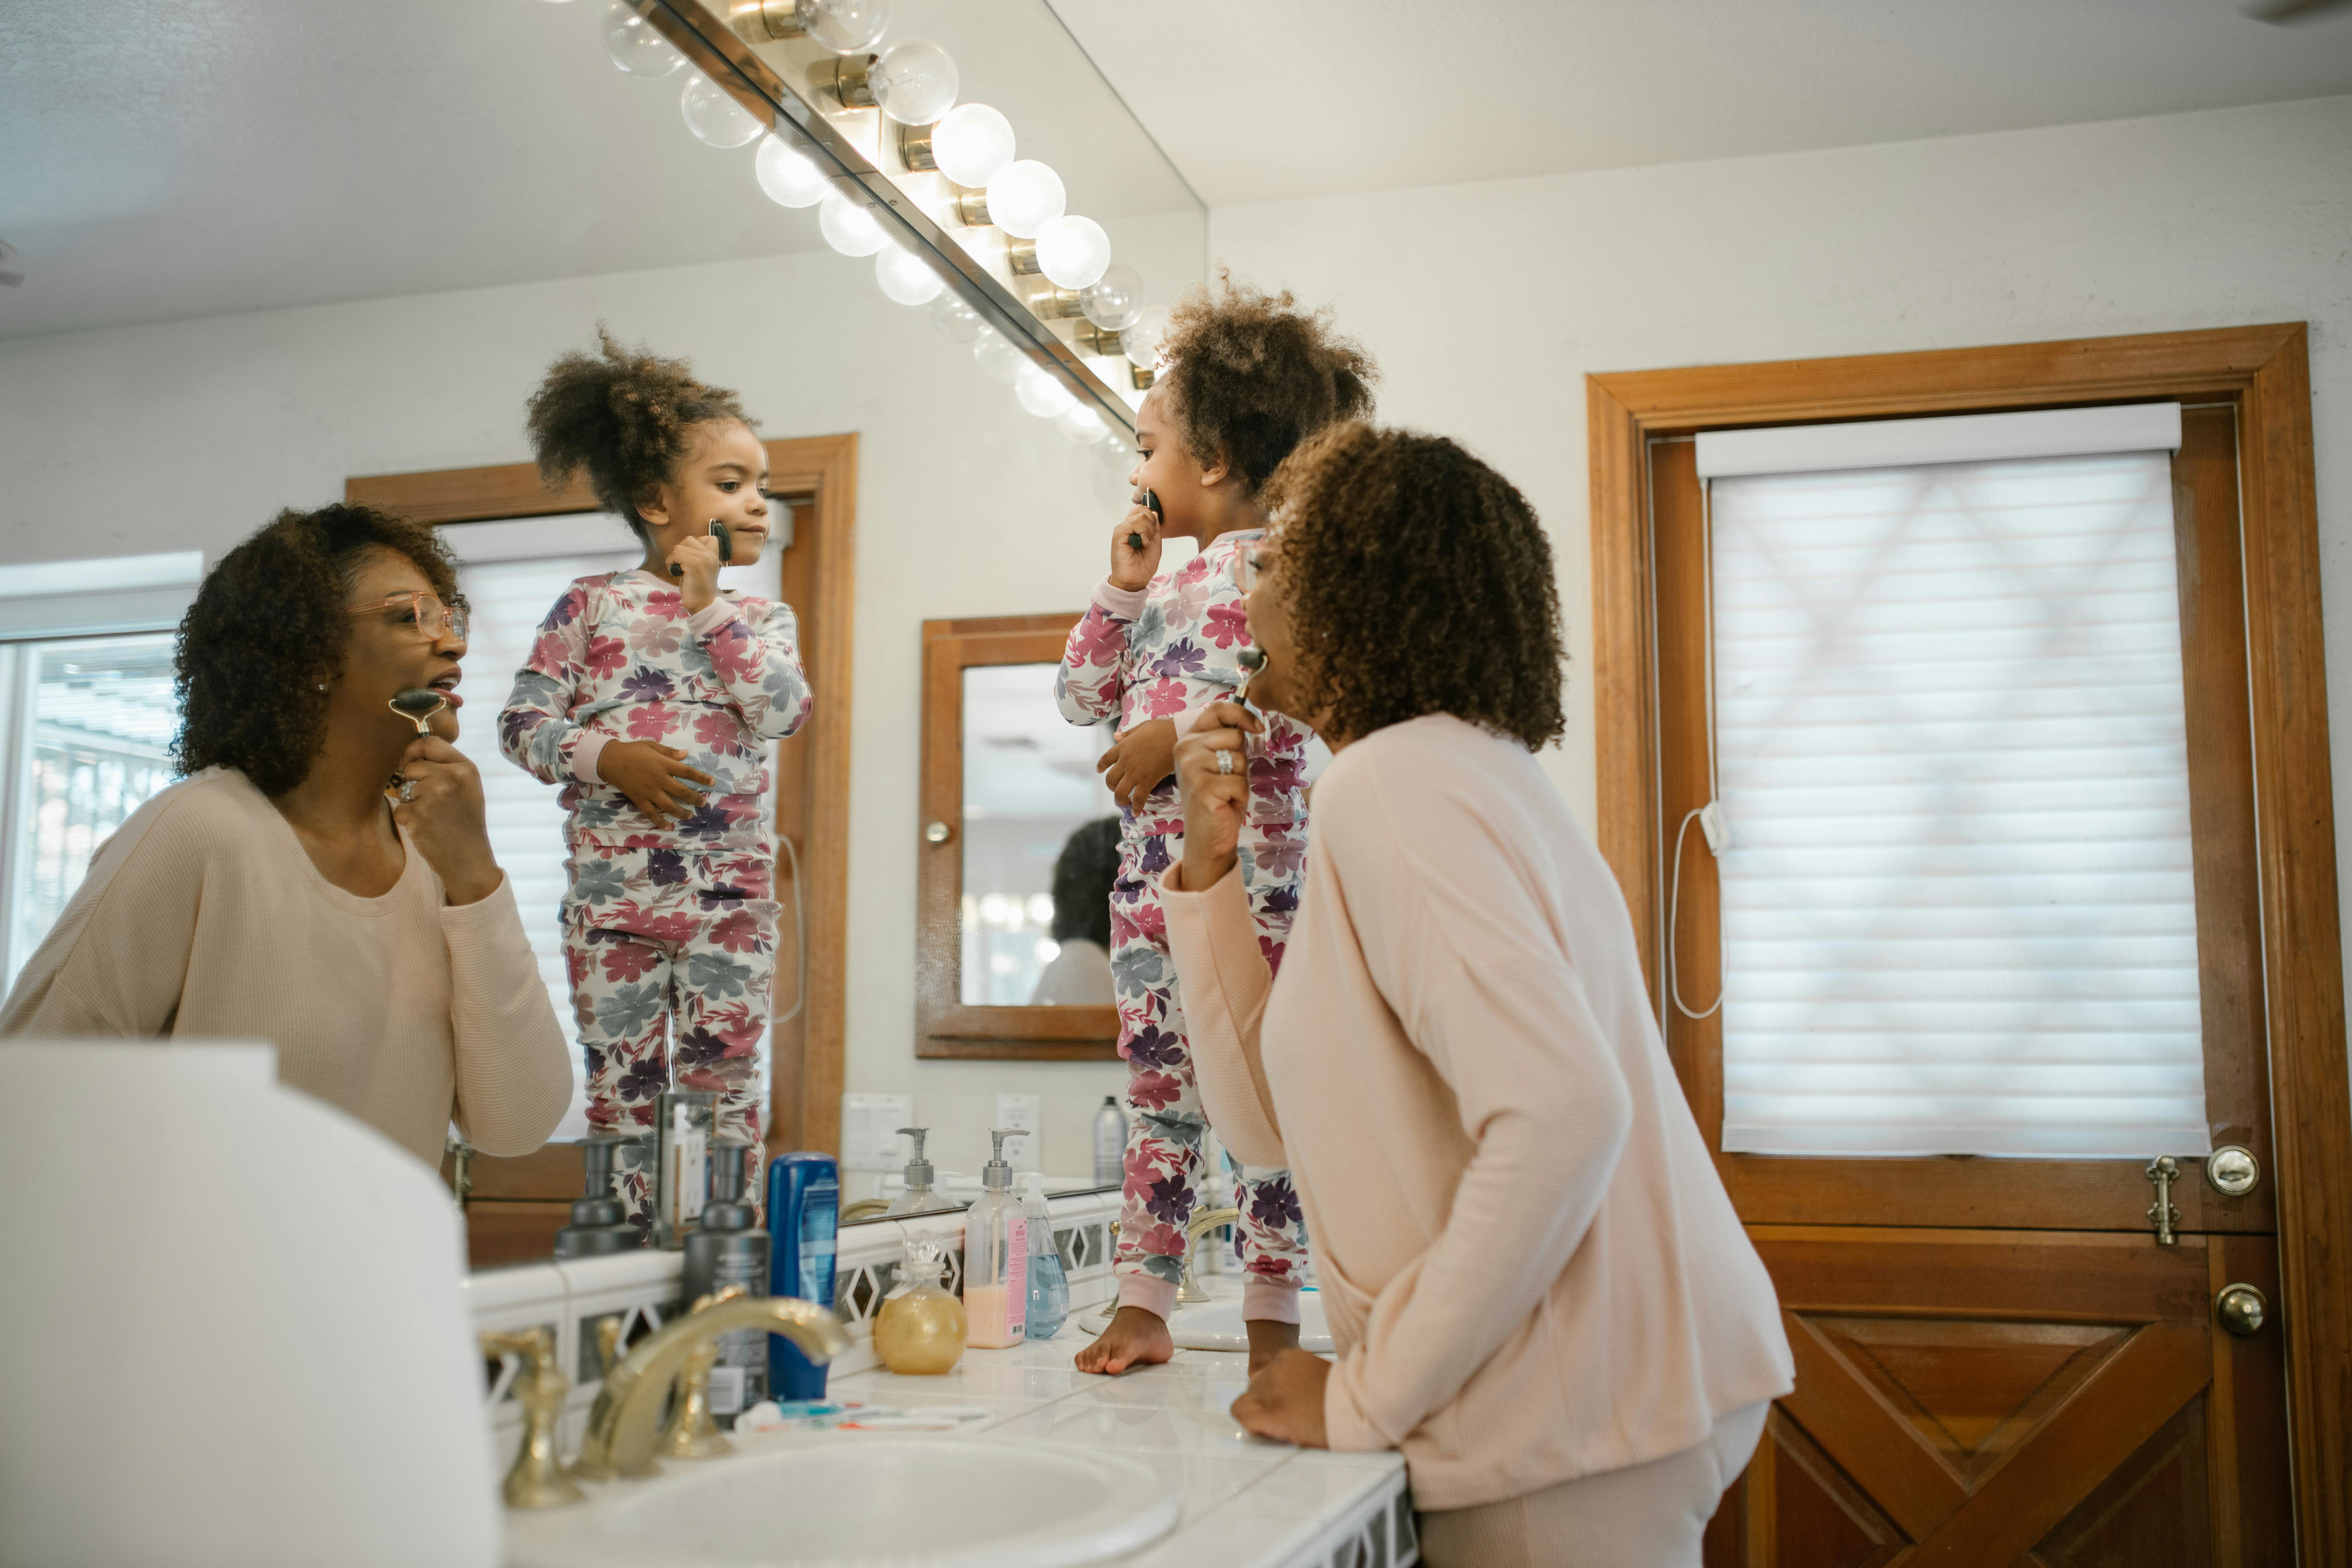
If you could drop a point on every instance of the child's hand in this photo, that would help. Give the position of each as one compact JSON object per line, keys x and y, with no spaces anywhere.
{"x":655,"y":777}
{"x":697,"y":556}
{"x":1138,"y":761}
{"x":1131,"y":566}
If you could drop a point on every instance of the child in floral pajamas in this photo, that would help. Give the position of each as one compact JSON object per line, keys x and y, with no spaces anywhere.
{"x":653,"y":697}
{"x":1249,"y":378}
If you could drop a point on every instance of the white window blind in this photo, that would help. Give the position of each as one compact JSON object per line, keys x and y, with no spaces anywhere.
{"x":511,"y":574}
{"x":1957,"y":914}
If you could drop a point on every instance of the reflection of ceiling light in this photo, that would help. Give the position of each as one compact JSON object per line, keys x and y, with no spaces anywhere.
{"x":7,"y":255}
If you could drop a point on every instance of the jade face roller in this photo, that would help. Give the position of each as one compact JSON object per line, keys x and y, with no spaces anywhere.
{"x":726,"y":547}
{"x":417,"y":704}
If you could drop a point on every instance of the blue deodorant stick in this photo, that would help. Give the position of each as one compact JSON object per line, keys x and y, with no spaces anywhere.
{"x":805,"y":1219}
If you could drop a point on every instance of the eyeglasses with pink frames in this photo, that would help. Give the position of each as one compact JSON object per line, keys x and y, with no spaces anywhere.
{"x":432,"y":618}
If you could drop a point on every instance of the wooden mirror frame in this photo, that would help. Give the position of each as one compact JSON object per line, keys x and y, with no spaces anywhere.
{"x":944,"y":1025}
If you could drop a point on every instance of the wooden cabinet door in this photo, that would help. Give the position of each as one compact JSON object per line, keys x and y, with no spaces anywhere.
{"x":1998,"y":1362}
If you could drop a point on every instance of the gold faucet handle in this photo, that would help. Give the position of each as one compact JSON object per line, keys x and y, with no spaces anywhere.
{"x":690,"y":1433}
{"x":536,"y":1479}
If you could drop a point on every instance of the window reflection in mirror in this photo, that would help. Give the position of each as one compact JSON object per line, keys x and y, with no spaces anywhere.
{"x":1032,"y":806}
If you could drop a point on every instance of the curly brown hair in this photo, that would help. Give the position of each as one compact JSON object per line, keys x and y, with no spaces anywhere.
{"x":1419,"y":582}
{"x":268,"y":624}
{"x":1250,"y":375}
{"x":627,"y":416}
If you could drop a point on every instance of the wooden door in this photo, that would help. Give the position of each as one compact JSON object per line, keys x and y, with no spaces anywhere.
{"x":1998,"y":1360}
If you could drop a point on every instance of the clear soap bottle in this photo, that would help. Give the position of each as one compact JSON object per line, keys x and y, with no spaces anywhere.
{"x":995,"y":1257}
{"x":1049,"y":1287}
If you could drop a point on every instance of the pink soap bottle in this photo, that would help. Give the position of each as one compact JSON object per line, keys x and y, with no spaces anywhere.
{"x":995,"y":1258}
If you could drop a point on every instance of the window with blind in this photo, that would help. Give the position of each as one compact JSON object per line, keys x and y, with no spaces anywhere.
{"x":1950,"y":749}
{"x":511,"y":574}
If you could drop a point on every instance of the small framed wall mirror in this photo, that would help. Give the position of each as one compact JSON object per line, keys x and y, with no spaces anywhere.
{"x":1019,"y":845}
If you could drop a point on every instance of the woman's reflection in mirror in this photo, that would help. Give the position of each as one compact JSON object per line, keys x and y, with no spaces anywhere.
{"x":1079,"y":976}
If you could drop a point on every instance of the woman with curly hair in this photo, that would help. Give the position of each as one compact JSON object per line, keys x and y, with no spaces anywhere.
{"x":285,"y":892}
{"x":1538,"y":1288}
{"x":1248,"y":376}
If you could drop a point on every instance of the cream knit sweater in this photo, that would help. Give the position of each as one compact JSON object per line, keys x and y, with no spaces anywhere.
{"x":203,"y":918}
{"x":1531,"y":1269}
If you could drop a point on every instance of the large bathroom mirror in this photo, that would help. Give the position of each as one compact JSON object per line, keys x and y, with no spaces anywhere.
{"x":944,"y":546}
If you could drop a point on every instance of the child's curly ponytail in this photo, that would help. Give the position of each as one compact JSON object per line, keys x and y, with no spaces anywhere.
{"x":627,"y":416}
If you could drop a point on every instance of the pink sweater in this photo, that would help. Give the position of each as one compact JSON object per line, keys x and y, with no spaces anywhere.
{"x":1531,"y":1269}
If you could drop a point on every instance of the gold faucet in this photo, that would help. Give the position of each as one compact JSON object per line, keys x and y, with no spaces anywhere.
{"x":621,"y":1429}
{"x":536,"y":1481}
{"x":1189,"y":1290}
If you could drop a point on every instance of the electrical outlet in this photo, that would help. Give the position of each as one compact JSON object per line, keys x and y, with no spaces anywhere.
{"x":869,"y":1132}
{"x":1019,"y":1111}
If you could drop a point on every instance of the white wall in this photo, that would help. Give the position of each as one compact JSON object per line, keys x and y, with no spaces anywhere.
{"x":195,"y":433}
{"x":1486,"y":304}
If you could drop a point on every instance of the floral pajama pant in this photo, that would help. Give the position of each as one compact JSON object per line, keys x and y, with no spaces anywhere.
{"x":671,"y":956}
{"x":1164,"y":1165}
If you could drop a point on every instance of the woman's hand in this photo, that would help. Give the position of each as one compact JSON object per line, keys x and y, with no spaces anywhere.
{"x":440,"y":805}
{"x":696,"y":558}
{"x":654,"y":776}
{"x":1216,"y":803}
{"x":1285,"y":1402}
{"x":1138,"y":761}
{"x":1132,"y":565}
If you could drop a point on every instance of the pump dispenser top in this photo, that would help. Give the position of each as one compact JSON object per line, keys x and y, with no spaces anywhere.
{"x":917,"y":1196}
{"x":996,"y":1176}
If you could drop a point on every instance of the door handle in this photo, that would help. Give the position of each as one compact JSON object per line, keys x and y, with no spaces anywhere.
{"x":2241,"y":1308}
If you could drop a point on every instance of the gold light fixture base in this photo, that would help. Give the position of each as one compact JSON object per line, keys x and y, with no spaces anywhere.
{"x":765,"y":21}
{"x":915,"y":147}
{"x":1057,"y":305}
{"x":851,"y":83}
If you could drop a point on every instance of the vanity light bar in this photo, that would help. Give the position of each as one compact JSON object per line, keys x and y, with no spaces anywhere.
{"x":711,"y":47}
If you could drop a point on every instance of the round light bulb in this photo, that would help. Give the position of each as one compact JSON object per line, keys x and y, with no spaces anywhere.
{"x":714,"y":117}
{"x":635,"y":44}
{"x":972,"y":144}
{"x":913,"y":81}
{"x":848,"y":228}
{"x":1116,"y":300}
{"x":1142,"y":340}
{"x":1078,"y":425}
{"x":844,"y":26}
{"x":788,"y":176}
{"x":1024,"y":196}
{"x":1042,"y":392}
{"x":997,"y":358}
{"x":957,"y":322}
{"x":1074,"y":252}
{"x":905,"y":277}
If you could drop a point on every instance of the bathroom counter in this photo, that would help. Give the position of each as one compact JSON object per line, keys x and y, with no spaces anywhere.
{"x":1246,"y":1503}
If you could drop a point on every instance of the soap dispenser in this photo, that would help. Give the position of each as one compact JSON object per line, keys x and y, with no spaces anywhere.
{"x":728,"y":1248}
{"x":1049,"y":1287}
{"x":599,"y":1222}
{"x":918,"y":1197}
{"x":995,"y":1260}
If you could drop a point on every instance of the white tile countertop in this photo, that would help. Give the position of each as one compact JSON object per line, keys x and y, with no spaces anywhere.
{"x":1246,"y":1503}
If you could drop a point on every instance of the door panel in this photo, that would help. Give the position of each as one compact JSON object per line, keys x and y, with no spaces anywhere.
{"x":1997,"y":1363}
{"x":1979,"y":1398}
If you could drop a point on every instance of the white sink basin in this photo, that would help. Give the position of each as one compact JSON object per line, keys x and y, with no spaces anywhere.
{"x":854,"y":1499}
{"x":1217,"y":1325}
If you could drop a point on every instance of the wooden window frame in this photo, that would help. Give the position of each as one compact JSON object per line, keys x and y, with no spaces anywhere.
{"x":2263,"y":372}
{"x":818,"y":475}
{"x":945,"y":1026}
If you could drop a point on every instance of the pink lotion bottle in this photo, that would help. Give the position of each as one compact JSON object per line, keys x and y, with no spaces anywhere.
{"x":995,"y":1258}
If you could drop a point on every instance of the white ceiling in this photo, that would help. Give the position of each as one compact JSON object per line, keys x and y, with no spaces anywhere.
{"x":1260,"y":101}
{"x":172,"y":158}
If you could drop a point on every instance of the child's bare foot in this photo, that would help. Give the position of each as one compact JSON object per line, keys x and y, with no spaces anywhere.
{"x":1268,"y":1340}
{"x":1136,"y":1338}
